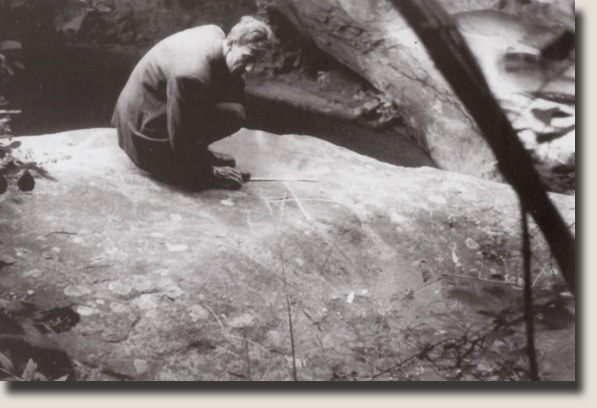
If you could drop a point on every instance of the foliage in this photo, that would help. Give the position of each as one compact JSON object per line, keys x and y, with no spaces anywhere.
{"x":8,"y":371}
{"x":72,"y":13}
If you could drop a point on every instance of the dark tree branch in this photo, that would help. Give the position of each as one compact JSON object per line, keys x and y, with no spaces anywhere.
{"x":449,"y":51}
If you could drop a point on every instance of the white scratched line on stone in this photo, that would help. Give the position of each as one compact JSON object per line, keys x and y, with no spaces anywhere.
{"x":269,"y":207}
{"x":249,"y":222}
{"x":298,"y":202}
{"x":282,"y":204}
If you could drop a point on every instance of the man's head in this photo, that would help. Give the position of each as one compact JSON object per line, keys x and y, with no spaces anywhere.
{"x":245,"y":43}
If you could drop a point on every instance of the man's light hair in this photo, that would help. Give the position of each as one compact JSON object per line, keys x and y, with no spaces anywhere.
{"x":254,"y":33}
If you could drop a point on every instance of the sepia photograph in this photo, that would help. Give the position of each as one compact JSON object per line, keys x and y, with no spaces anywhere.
{"x":288,"y":191}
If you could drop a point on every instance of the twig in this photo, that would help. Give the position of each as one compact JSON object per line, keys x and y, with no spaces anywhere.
{"x":528,"y":298}
{"x":298,"y":202}
{"x":479,"y":279}
{"x":247,"y":355}
{"x":61,"y":232}
{"x":325,"y":261}
{"x":289,"y":309}
{"x":537,"y":278}
{"x":217,"y":318}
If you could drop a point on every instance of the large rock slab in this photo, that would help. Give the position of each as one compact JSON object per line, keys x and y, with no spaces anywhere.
{"x":374,"y":40}
{"x":374,"y":263}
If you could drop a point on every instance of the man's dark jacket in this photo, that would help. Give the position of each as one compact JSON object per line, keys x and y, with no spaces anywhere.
{"x":165,"y":111}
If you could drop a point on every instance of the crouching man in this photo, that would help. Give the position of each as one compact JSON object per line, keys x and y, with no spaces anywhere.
{"x":185,"y":94}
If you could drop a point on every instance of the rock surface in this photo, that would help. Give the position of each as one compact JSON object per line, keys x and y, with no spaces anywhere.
{"x":374,"y":40}
{"x":373,"y":262}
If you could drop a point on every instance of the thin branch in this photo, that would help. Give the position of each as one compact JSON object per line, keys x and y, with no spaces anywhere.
{"x":479,"y":279}
{"x":528,"y":299}
{"x":248,"y":358}
{"x":289,"y":310}
{"x":61,"y":232}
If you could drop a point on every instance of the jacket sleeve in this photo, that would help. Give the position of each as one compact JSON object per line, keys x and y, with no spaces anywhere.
{"x":188,"y":105}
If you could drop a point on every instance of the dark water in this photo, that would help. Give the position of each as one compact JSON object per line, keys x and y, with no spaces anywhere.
{"x":76,"y":88}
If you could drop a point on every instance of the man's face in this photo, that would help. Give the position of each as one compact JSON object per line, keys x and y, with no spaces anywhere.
{"x":240,"y":58}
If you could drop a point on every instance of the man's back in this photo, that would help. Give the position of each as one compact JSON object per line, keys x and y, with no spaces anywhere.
{"x":190,"y":62}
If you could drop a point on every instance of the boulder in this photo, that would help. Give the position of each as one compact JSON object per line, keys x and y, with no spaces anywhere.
{"x":373,"y":39}
{"x":348,"y":274}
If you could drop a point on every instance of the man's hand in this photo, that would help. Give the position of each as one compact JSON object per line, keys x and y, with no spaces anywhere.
{"x":227,"y":177}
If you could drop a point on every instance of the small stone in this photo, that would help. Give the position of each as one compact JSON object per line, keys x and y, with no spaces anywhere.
{"x":471,"y":243}
{"x":142,"y":284}
{"x":299,"y":261}
{"x":176,"y":247}
{"x":120,"y":288}
{"x":436,"y":199}
{"x":170,"y":289}
{"x":196,"y":312}
{"x":86,"y":310}
{"x":118,"y":307}
{"x":100,"y":301}
{"x":174,"y":292}
{"x":34,"y":273}
{"x":241,"y":321}
{"x":350,"y":298}
{"x":6,"y":260}
{"x":146,"y":302}
{"x":30,"y":292}
{"x":76,"y":290}
{"x":49,"y":255}
{"x":227,"y":203}
{"x":56,"y":249}
{"x":141,"y":366}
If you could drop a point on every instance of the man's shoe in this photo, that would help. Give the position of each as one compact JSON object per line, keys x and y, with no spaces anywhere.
{"x":220,"y":159}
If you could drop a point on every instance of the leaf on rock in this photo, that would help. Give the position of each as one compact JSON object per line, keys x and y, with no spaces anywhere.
{"x":545,"y":115}
{"x":19,"y":65}
{"x":29,"y":371}
{"x":551,"y":136}
{"x":39,"y":377}
{"x":26,"y":182}
{"x":558,"y":97}
{"x":6,"y":363}
{"x":10,"y":45}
